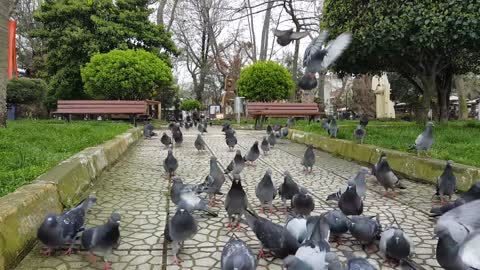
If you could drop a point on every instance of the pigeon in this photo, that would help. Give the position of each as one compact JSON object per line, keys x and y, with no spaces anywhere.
{"x":350,"y":203}
{"x":225,"y":126}
{"x":182,"y":226}
{"x":186,"y":196}
{"x":57,"y":230}
{"x":326,"y":124}
{"x":360,"y":182}
{"x":269,"y":130}
{"x":277,"y":239}
{"x":287,"y":189}
{"x":178,"y":188}
{"x":365,"y":229}
{"x":146,"y":132}
{"x":425,"y":140}
{"x":177,"y":134}
{"x":229,"y":131}
{"x":231,"y":141}
{"x":214,"y":185}
{"x":265,"y":191}
{"x":311,"y":254}
{"x":284,"y":132}
{"x":297,"y":226}
{"x":337,"y":222}
{"x":359,"y":134}
{"x":285,"y":37}
{"x":165,"y":139}
{"x":265,"y":146}
{"x":236,"y":255}
{"x":253,"y":154}
{"x":170,"y":164}
{"x":333,"y":261}
{"x":386,"y":177}
{"x":200,"y":143}
{"x":290,"y":122}
{"x":375,"y":167}
{"x":292,"y":262}
{"x":472,"y":194}
{"x":469,"y":250}
{"x":308,"y":159}
{"x":318,"y":231}
{"x":276,"y":129}
{"x":101,"y":240}
{"x":316,"y":58}
{"x":272,"y":140}
{"x":332,"y":128}
{"x":171,"y":125}
{"x":236,"y":165}
{"x":235,"y":203}
{"x":396,"y":245}
{"x":364,"y":121}
{"x":454,"y":230}
{"x":359,"y":264}
{"x":446,"y":183}
{"x":201,"y":128}
{"x":302,"y":203}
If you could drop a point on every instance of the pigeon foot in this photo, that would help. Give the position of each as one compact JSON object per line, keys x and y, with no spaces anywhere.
{"x":47,"y":252}
{"x":176,"y":260}
{"x":68,"y":252}
{"x":92,"y":258}
{"x":107,"y":265}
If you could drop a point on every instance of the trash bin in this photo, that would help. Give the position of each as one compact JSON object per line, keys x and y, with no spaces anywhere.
{"x":11,"y":111}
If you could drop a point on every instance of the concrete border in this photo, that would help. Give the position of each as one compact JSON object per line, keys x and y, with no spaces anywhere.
{"x":63,"y":186}
{"x":417,"y":168}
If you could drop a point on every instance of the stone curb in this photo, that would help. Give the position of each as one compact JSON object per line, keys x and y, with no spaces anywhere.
{"x":63,"y":186}
{"x":417,"y":168}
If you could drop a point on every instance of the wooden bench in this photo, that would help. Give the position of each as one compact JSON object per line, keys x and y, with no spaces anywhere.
{"x":133,"y":108}
{"x":259,"y":110}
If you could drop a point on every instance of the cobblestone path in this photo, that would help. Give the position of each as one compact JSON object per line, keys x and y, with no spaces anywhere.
{"x":136,"y":187}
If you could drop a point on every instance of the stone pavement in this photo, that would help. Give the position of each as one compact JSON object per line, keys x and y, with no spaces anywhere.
{"x":137,"y":188}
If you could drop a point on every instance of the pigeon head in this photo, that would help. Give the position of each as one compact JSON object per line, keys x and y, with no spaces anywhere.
{"x":50,"y":220}
{"x":430,"y":124}
{"x":177,"y":179}
{"x":238,"y":152}
{"x":213,"y":159}
{"x":398,"y":236}
{"x":236,"y":177}
{"x":269,"y":171}
{"x":450,"y":162}
{"x":256,"y":143}
{"x":115,"y":218}
{"x":383,"y":159}
{"x":290,"y":261}
{"x":170,"y":152}
{"x":310,"y":146}
{"x":364,"y":170}
{"x":332,"y":197}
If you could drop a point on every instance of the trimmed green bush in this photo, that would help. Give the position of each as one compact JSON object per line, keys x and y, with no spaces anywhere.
{"x":127,"y":75}
{"x":190,"y":104}
{"x":265,"y":81}
{"x":26,"y":91}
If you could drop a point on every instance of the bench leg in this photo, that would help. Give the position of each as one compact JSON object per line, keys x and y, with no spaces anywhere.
{"x":69,"y":118}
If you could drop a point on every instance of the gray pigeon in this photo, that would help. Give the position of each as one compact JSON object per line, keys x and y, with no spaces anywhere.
{"x":338,"y":224}
{"x":326,"y":124}
{"x":186,"y":196}
{"x":287,"y":189}
{"x":292,"y":262}
{"x":146,"y":132}
{"x":253,"y":154}
{"x":350,"y":203}
{"x":359,"y":264}
{"x":365,"y":229}
{"x":235,"y":203}
{"x":308,"y":159}
{"x":396,"y":245}
{"x":297,"y":226}
{"x":332,"y":128}
{"x":170,"y":164}
{"x":446,"y":183}
{"x":166,"y":140}
{"x":266,"y":191}
{"x":265,"y":146}
{"x":236,"y":165}
{"x":272,"y":140}
{"x":217,"y":177}
{"x":386,"y":177}
{"x":182,"y":226}
{"x":200,"y":143}
{"x":472,"y":194}
{"x":316,"y":58}
{"x":302,"y":203}
{"x":360,"y":182}
{"x":454,"y":230}
{"x":290,"y":122}
{"x":236,"y":255}
{"x":425,"y":140}
{"x":177,"y":134}
{"x":274,"y":237}
{"x":375,"y":167}
{"x":201,"y":128}
{"x":284,"y":132}
{"x":284,"y":37}
{"x":101,"y":240}
{"x":364,"y":121}
{"x":57,"y":230}
{"x":269,"y":129}
{"x":231,"y":141}
{"x":312,"y":255}
{"x":178,"y":188}
{"x":318,"y":231}
{"x":359,"y":134}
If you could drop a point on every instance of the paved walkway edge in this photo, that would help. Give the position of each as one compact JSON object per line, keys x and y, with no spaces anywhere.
{"x":66,"y":184}
{"x":422,"y":169}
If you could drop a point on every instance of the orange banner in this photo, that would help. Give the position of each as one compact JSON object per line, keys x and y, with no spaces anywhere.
{"x":12,"y":50}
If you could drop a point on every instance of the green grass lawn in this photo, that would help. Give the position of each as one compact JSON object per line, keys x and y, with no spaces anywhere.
{"x":28,"y":148}
{"x":456,"y":140}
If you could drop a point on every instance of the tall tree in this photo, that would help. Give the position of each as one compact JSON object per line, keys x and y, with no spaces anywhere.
{"x":424,"y":41}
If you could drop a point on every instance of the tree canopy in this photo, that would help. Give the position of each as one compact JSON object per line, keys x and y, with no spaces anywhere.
{"x":424,"y":40}
{"x":265,"y":81}
{"x":73,"y":31}
{"x":190,"y":104}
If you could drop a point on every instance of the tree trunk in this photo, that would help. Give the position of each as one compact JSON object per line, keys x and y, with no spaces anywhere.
{"x":265,"y":32}
{"x":295,"y":66}
{"x":429,"y":89}
{"x":321,"y":85}
{"x":462,"y":101}
{"x":4,"y":15}
{"x":161,"y":8}
{"x":444,"y":88}
{"x":172,"y":15}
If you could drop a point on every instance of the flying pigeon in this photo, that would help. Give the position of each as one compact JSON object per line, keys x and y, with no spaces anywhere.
{"x":166,"y":140}
{"x":277,"y":239}
{"x":425,"y":140}
{"x":359,"y":134}
{"x":200,"y":143}
{"x":57,"y":230}
{"x":332,"y":128}
{"x":265,"y":146}
{"x":272,"y":140}
{"x":235,"y":203}
{"x":472,"y":194}
{"x":350,"y":203}
{"x":101,"y":240}
{"x":287,"y":189}
{"x":237,"y":255}
{"x":182,"y":226}
{"x":265,"y":190}
{"x":386,"y":177}
{"x":396,"y":245}
{"x":253,"y":154}
{"x":338,"y":224}
{"x":170,"y":164}
{"x":446,"y":183}
{"x":297,"y":226}
{"x":316,"y":58}
{"x":308,"y":159}
{"x":302,"y":203}
{"x":236,"y":165}
{"x":284,"y":37}
{"x":365,"y":229}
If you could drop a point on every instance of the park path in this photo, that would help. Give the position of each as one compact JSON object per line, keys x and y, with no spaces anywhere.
{"x":137,"y":188}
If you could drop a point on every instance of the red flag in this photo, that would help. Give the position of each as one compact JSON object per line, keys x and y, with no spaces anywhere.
{"x":12,"y":50}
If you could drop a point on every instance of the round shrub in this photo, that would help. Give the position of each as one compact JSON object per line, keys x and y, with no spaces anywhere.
{"x":130,"y":74}
{"x":26,"y":91}
{"x":265,"y":81}
{"x":190,"y":104}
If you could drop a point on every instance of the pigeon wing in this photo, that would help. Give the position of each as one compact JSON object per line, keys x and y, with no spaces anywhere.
{"x":336,"y":48}
{"x":314,"y":47}
{"x":298,"y":35}
{"x":469,"y":251}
